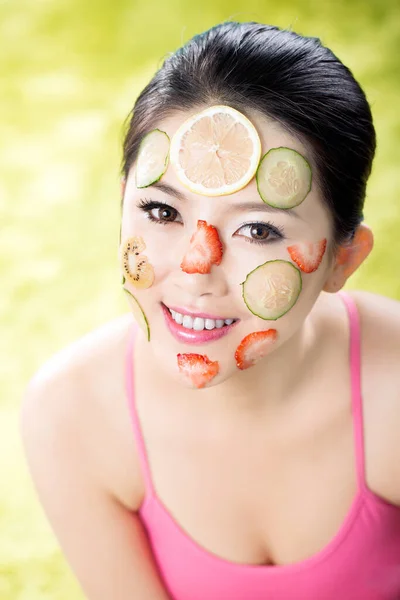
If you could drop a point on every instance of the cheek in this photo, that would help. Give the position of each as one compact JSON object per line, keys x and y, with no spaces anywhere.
{"x":308,"y":255}
{"x":136,"y":267}
{"x":137,"y":274}
{"x":272,"y":289}
{"x":138,"y":313}
{"x":158,"y":240}
{"x":254,"y":347}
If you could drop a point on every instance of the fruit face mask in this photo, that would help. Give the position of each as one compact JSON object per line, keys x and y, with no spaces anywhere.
{"x":135,"y":266}
{"x":254,"y":347}
{"x":205,"y":250}
{"x":308,"y":255}
{"x":257,"y":259}
{"x":138,"y":314}
{"x":283,"y":178}
{"x":272,"y":289}
{"x":197,"y":369}
{"x":216,"y":152}
{"x":152,"y":161}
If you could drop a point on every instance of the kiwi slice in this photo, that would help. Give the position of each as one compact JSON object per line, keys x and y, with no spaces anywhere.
{"x":135,"y":265}
{"x":283,"y":178}
{"x":153,"y":158}
{"x":272,"y":289}
{"x":138,"y":314}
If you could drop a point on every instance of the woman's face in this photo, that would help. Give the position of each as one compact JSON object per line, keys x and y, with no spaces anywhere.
{"x":248,"y":233}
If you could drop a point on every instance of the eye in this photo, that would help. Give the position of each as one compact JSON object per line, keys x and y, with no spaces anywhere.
{"x":260,"y":233}
{"x":159,"y":212}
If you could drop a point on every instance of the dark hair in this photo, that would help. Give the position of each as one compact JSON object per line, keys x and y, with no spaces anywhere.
{"x":285,"y":76}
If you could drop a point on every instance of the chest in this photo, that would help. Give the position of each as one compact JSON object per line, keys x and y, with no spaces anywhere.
{"x":262,"y":492}
{"x":256,"y":490}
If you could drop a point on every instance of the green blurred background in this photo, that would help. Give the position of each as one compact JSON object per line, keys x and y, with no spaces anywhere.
{"x":70,"y":71}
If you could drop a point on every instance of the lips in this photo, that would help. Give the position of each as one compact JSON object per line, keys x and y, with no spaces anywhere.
{"x":193,"y":314}
{"x":191,"y":336}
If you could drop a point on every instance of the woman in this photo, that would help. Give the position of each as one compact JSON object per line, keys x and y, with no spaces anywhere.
{"x":224,"y":450}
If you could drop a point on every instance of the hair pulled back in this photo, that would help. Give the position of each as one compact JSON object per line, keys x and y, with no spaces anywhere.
{"x":285,"y":76}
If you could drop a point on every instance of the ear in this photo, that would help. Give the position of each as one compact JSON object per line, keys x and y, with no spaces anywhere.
{"x":122,"y":190}
{"x":349,"y":257}
{"x":123,"y":186}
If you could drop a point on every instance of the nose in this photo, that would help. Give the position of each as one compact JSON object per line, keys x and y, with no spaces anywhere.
{"x":200,"y":274}
{"x":196,"y":285}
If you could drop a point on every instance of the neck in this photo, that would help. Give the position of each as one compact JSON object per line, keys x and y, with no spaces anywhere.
{"x":268,"y":385}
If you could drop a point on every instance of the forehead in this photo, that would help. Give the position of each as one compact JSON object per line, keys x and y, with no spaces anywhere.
{"x":272,"y":135}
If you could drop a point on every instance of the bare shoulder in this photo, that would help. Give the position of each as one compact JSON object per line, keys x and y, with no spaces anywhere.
{"x":79,"y":395}
{"x":74,"y":431}
{"x":380,"y":359}
{"x":83,"y":356}
{"x":380,"y":333}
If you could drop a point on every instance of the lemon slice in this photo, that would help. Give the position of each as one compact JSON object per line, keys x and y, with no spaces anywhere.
{"x":216,"y":152}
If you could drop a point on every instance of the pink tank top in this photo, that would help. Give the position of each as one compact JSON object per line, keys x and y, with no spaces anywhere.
{"x":361,"y":562}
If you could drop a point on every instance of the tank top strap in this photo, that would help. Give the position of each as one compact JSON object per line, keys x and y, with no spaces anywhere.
{"x":356,"y":394}
{"x":137,"y":430}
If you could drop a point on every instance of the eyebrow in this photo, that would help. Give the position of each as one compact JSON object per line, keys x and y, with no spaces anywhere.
{"x":241,"y":206}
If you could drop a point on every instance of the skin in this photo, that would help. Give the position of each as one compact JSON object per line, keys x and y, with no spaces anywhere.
{"x":350,"y":256}
{"x":219,"y":292}
{"x":138,"y":313}
{"x":288,"y":416}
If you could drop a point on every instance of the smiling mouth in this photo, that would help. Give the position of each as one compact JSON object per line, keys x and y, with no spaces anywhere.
{"x":199,"y":323}
{"x":191,"y":328}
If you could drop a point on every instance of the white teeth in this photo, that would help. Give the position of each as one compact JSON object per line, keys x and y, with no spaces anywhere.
{"x":178,"y":318}
{"x":197,"y":323}
{"x":187,"y":322}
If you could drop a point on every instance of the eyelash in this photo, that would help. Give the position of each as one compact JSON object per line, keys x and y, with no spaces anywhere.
{"x":148,"y":205}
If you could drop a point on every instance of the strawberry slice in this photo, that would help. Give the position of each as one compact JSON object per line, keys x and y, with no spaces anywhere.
{"x":205,"y":250}
{"x":197,"y":368}
{"x":254,"y":347}
{"x":308,"y":255}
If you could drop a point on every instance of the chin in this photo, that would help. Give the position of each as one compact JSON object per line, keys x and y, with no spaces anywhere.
{"x":193,"y":367}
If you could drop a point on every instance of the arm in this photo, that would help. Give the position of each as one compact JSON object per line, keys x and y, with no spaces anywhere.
{"x":104,"y":543}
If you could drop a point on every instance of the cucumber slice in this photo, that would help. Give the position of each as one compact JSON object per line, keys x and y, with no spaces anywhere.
{"x":272,"y":289}
{"x":283,"y":178}
{"x":153,"y":158}
{"x":138,"y":314}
